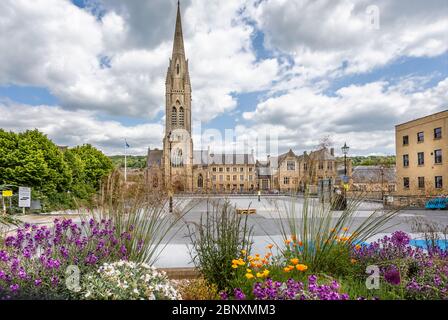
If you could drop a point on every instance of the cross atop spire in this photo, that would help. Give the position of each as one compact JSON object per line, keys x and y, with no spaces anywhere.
{"x":178,"y":44}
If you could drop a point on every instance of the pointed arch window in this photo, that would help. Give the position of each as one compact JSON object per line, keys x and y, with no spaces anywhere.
{"x":174,"y":116}
{"x":200,"y":181}
{"x":181,"y":116}
{"x":177,"y":68}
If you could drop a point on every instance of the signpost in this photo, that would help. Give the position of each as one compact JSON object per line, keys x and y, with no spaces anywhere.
{"x":24,"y":198}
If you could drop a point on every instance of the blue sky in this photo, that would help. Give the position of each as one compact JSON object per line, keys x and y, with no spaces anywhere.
{"x":258,"y":66}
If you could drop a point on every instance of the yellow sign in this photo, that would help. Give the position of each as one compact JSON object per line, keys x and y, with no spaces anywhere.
{"x":7,"y":193}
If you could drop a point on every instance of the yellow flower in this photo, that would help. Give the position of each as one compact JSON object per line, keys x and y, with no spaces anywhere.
{"x":294,"y":261}
{"x":345,"y":229}
{"x":248,"y":271}
{"x":301,"y":267}
{"x":241,"y":262}
{"x":286,"y":269}
{"x":234,"y":266}
{"x":357,"y":247}
{"x":243,"y":252}
{"x":249,"y":276}
{"x":234,"y":261}
{"x":259,"y":275}
{"x":266,"y":272}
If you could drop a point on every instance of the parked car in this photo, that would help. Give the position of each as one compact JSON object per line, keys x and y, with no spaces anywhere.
{"x":437,"y":203}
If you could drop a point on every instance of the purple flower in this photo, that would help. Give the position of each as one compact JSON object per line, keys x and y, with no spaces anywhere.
{"x":14,"y":287}
{"x":239,"y":295}
{"x":224,"y":295}
{"x":400,"y":238}
{"x":392,"y":275}
{"x":37,"y":282}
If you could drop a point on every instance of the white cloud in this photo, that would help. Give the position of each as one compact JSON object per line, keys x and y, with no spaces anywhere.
{"x":324,"y":35}
{"x":362,"y":115}
{"x":75,"y":128}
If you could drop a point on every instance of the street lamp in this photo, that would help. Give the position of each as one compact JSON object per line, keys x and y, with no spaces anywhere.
{"x":345,"y":150}
{"x":170,"y":190}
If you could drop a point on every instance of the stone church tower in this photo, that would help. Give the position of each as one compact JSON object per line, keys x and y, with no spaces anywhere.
{"x":178,"y":142}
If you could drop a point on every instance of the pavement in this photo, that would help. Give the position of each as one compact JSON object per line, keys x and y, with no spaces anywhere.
{"x":270,"y":213}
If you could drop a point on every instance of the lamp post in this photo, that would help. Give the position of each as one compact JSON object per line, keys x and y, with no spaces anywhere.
{"x":170,"y":190}
{"x":345,"y":150}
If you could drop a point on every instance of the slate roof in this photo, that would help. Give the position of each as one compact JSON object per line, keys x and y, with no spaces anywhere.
{"x":202,"y":157}
{"x":154,"y":157}
{"x":372,"y":174}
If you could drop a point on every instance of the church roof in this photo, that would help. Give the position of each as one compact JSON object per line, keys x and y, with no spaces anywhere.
{"x":154,"y":157}
{"x":202,"y":157}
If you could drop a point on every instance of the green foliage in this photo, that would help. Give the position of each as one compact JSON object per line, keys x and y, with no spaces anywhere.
{"x":136,"y":162}
{"x":387,"y":161}
{"x":220,"y":237}
{"x":31,"y":159}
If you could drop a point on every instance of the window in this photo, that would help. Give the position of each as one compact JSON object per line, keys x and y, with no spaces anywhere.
{"x":234,"y":177}
{"x":250,"y":178}
{"x":200,"y":181}
{"x":181,"y":116}
{"x":214,"y":177}
{"x":174,"y":116}
{"x":405,"y":140}
{"x":228,"y":169}
{"x":241,"y":177}
{"x":420,"y":137}
{"x":305,"y":166}
{"x":406,"y":182}
{"x":437,"y":133}
{"x":177,"y":68}
{"x":220,"y":169}
{"x":228,"y":178}
{"x":155,"y":181}
{"x":321,"y":165}
{"x":329,"y":165}
{"x":285,"y":180}
{"x":421,"y":182}
{"x":421,"y":158}
{"x":234,"y":169}
{"x":405,"y":160}
{"x":438,"y":156}
{"x":241,"y":169}
{"x":214,"y":169}
{"x":221,"y":178}
{"x":438,"y":182}
{"x":250,"y":169}
{"x":290,"y":165}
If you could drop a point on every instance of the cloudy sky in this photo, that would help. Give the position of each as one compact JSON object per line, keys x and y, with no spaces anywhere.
{"x":92,"y":71}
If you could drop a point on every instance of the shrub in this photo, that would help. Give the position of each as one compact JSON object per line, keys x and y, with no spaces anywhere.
{"x":220,"y":236}
{"x":33,"y":262}
{"x":197,"y":289}
{"x":326,"y":236}
{"x":138,"y":215}
{"x":125,"y":280}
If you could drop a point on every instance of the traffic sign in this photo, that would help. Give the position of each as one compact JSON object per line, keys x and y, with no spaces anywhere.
{"x":7,"y":193}
{"x":24,"y":197}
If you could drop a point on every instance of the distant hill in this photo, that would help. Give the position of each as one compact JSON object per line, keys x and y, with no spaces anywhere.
{"x":132,"y":161}
{"x":371,"y":160}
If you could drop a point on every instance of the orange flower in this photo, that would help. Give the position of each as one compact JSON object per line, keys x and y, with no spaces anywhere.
{"x":345,"y":229}
{"x":357,"y":247}
{"x":353,"y":261}
{"x":294,"y":261}
{"x":287,"y":241}
{"x":286,"y":269}
{"x":293,"y":237}
{"x":269,"y":246}
{"x":300,"y":243}
{"x":301,"y":267}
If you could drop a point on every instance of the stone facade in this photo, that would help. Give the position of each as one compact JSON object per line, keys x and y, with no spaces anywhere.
{"x":422,"y":153}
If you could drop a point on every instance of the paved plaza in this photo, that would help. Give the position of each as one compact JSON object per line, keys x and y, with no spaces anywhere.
{"x":266,"y":222}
